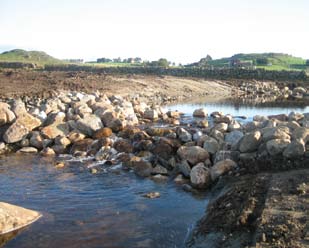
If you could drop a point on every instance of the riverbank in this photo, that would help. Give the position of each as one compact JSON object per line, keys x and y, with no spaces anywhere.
{"x":144,"y":138}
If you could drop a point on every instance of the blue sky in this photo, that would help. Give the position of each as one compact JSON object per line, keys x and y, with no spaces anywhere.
{"x":179,"y":30}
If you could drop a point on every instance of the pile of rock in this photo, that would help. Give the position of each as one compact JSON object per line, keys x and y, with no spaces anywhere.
{"x":106,"y":129}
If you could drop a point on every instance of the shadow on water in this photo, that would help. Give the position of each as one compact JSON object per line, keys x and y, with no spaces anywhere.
{"x":106,"y":209}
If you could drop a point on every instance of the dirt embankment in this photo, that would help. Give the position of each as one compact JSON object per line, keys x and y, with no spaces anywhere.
{"x":261,"y":210}
{"x":17,"y":83}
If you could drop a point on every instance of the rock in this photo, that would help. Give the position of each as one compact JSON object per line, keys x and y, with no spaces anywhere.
{"x":89,"y":124}
{"x":36,"y":140}
{"x":193,"y":154}
{"x":248,"y":157}
{"x":184,"y":168}
{"x":180,"y":179}
{"x":55,"y":118}
{"x":233,"y":137}
{"x":75,"y":136}
{"x":200,"y":176}
{"x":27,"y":150}
{"x":217,"y":135}
{"x":260,"y":118}
{"x":211,"y":145}
{"x":108,"y":117}
{"x":295,"y":149}
{"x":13,"y":217}
{"x":151,"y":114}
{"x":295,"y":116}
{"x":63,"y":141}
{"x":234,"y":125}
{"x":165,"y":148}
{"x":159,"y":169}
{"x":123,"y":145}
{"x":18,"y":107}
{"x":275,"y":133}
{"x":301,"y":133}
{"x":20,"y":128}
{"x":152,"y":195}
{"x":6,"y":115}
{"x":56,"y":129}
{"x":197,"y":135}
{"x":224,"y":119}
{"x":223,"y":155}
{"x":81,"y":146}
{"x":105,"y":153}
{"x":173,"y":114}
{"x":102,"y":133}
{"x":250,"y":142}
{"x":202,"y":113}
{"x":202,"y":123}
{"x":221,"y":168}
{"x":280,"y":117}
{"x":184,"y":135}
{"x":298,"y":91}
{"x":277,"y":146}
{"x":142,"y":168}
{"x":252,"y":126}
{"x":48,"y":152}
{"x":221,"y":127}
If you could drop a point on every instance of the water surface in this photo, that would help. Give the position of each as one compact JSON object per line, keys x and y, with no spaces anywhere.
{"x":107,"y":209}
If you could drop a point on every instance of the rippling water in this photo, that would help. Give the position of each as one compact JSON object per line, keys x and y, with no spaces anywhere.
{"x":107,"y":209}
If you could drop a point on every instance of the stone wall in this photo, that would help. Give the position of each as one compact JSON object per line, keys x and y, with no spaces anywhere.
{"x":259,"y":74}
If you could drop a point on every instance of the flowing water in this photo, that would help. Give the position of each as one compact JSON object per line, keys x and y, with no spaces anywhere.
{"x":106,"y":209}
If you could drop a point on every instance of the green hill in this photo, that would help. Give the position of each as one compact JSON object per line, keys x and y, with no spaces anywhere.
{"x":37,"y":57}
{"x":268,"y":61}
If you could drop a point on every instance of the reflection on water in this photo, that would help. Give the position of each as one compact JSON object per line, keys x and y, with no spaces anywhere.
{"x":81,"y":209}
{"x":244,"y":106}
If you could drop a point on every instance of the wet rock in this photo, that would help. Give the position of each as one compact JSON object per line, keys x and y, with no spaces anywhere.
{"x":221,"y":127}
{"x":159,"y":169}
{"x":234,"y":125}
{"x":105,"y":153}
{"x":248,"y":157}
{"x":200,"y":176}
{"x":173,"y":114}
{"x":13,"y":217}
{"x":280,"y":117}
{"x":202,"y":123}
{"x":295,"y":149}
{"x":81,"y":146}
{"x":222,"y":167}
{"x":48,"y":152}
{"x":152,"y":195}
{"x":277,"y":146}
{"x":20,"y":128}
{"x":224,"y":119}
{"x":159,"y":178}
{"x":165,"y":147}
{"x":250,"y":142}
{"x":193,"y":154}
{"x":75,"y":135}
{"x":63,"y":141}
{"x":202,"y":113}
{"x":179,"y":179}
{"x":211,"y":145}
{"x":142,"y":168}
{"x":89,"y":124}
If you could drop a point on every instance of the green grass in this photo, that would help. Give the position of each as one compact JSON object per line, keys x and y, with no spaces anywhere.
{"x":277,"y":61}
{"x":37,"y":57}
{"x":112,"y":64}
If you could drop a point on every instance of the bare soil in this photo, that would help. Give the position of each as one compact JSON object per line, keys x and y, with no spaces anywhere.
{"x":18,"y":83}
{"x":260,"y":210}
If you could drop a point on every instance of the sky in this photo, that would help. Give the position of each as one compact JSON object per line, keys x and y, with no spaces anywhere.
{"x":183,"y":31}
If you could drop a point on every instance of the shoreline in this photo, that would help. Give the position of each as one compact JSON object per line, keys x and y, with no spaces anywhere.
{"x":199,"y":156}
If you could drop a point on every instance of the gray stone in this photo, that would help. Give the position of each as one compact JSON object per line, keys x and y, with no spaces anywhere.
{"x":277,"y":146}
{"x":250,"y":142}
{"x":233,"y":137}
{"x":89,"y":124}
{"x":202,"y":113}
{"x":211,"y":145}
{"x":295,"y":149}
{"x":200,"y":176}
{"x":184,"y":135}
{"x":221,"y":168}
{"x":193,"y":154}
{"x":27,"y":150}
{"x":184,"y":168}
{"x":275,"y":133}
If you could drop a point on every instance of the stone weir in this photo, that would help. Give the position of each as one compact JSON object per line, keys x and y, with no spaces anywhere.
{"x":114,"y":130}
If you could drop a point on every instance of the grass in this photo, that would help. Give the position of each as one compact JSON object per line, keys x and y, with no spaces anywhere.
{"x":19,"y":55}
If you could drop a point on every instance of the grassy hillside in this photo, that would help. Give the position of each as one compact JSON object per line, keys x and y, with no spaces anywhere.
{"x":19,"y":55}
{"x":272,"y":61}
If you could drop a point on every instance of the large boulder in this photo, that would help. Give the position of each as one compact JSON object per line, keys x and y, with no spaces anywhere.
{"x":275,"y":133}
{"x":89,"y":124}
{"x":56,"y":129}
{"x":221,"y":168}
{"x":201,"y":112}
{"x":20,"y":128}
{"x":193,"y":154}
{"x":250,"y":142}
{"x":295,"y":149}
{"x":142,"y":168}
{"x":277,"y":146}
{"x":233,"y":137}
{"x":301,"y":133}
{"x":14,"y":217}
{"x":200,"y":176}
{"x":211,"y":145}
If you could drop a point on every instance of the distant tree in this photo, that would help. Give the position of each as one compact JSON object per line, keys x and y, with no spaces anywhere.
{"x":103,"y":60}
{"x":163,"y":62}
{"x":261,"y":61}
{"x":138,"y":60}
{"x":307,"y":62}
{"x":117,"y":60}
